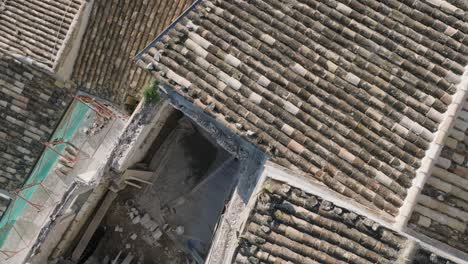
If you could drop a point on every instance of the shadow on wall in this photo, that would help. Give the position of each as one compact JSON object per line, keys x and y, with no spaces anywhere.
{"x":250,"y":157}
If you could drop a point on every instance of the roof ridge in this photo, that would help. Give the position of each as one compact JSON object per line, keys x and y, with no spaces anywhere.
{"x":166,"y":31}
{"x":74,"y":29}
{"x":433,"y":153}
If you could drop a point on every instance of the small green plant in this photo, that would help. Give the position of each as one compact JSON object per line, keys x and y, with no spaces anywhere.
{"x":150,"y":92}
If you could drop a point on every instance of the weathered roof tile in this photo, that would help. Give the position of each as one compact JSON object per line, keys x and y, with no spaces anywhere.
{"x":441,"y":212}
{"x":116,"y":31}
{"x":31,"y":105}
{"x":288,"y":224}
{"x":37,"y":29}
{"x":352,"y":90}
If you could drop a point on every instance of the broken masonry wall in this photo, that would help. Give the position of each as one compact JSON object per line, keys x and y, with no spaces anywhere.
{"x":227,"y":139}
{"x":144,"y":126}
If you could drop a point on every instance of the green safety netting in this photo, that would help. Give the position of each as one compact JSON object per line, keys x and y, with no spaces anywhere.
{"x":23,"y":197}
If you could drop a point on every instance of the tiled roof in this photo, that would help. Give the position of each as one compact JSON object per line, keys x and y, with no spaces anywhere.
{"x":37,"y":28}
{"x":350,"y":91}
{"x":31,"y":105}
{"x":426,"y":257}
{"x":442,"y":211}
{"x":116,"y":31}
{"x":288,"y":225}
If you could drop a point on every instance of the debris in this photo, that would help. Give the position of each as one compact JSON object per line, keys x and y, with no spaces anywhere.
{"x":337,"y":211}
{"x":97,"y":126}
{"x":266,"y":229}
{"x":136,"y":220}
{"x":375,"y":227}
{"x":158,"y":55}
{"x":150,"y":67}
{"x":165,"y":211}
{"x":250,"y":133}
{"x":312,"y":202}
{"x":179,"y":230}
{"x":133,"y":236}
{"x":157,"y":234}
{"x":285,"y":188}
{"x":116,"y":259}
{"x":127,"y":246}
{"x":128,"y":259}
{"x":211,"y":106}
{"x":148,"y":239}
{"x":153,"y":226}
{"x":441,"y":197}
{"x":326,"y":205}
{"x":145,"y":221}
{"x":130,"y":203}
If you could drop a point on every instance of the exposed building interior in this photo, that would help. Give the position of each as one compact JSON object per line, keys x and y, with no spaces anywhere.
{"x":172,"y":217}
{"x":233,"y":132}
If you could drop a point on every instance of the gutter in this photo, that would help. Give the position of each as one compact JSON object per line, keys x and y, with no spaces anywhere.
{"x":433,"y":153}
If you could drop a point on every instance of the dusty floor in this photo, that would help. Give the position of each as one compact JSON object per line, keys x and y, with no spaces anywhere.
{"x":145,"y":252}
{"x":192,"y":182}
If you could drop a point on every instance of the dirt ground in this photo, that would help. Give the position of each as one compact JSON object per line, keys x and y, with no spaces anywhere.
{"x":193,"y":180}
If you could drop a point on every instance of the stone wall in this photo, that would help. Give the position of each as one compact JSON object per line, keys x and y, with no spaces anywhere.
{"x":31,"y":105}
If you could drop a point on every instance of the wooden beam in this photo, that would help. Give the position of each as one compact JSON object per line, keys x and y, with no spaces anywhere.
{"x":91,"y":229}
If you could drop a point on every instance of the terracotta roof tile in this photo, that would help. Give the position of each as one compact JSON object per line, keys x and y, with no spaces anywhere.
{"x":37,"y":28}
{"x":31,"y":105}
{"x":358,"y":84}
{"x":288,"y":224}
{"x":426,"y":257}
{"x":116,"y":31}
{"x":442,"y":207}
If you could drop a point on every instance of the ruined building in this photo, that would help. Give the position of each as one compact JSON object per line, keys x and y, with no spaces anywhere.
{"x":367,"y":98}
{"x":50,"y":51}
{"x":284,"y":131}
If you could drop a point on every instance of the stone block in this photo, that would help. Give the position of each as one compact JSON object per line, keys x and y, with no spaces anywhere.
{"x":157,"y":234}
